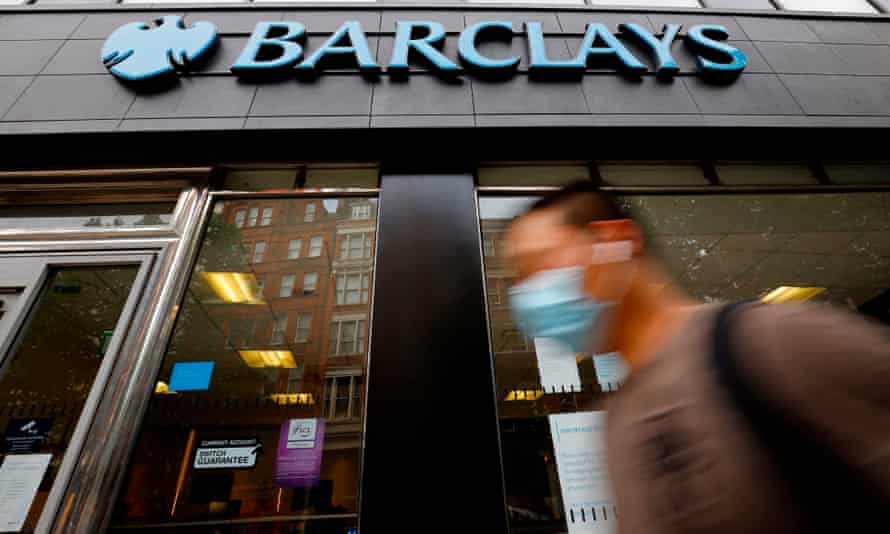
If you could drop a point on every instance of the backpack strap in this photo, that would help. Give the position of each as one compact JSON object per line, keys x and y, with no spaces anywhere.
{"x":830,"y":493}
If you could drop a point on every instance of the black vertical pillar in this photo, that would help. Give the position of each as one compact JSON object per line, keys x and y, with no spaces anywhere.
{"x":432,"y":458}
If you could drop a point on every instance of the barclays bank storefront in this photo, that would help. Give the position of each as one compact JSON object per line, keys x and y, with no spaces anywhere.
{"x":251,"y":253}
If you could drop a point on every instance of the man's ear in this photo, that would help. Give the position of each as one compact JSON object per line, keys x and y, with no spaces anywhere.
{"x":618,"y":230}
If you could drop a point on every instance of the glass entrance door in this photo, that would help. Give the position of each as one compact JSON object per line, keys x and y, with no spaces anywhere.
{"x":62,"y":321}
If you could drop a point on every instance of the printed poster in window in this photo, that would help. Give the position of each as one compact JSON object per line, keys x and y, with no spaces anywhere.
{"x":580,"y":450}
{"x":300,"y":448}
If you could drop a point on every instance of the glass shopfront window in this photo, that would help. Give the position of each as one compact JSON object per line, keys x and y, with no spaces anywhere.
{"x":256,"y":420}
{"x":831,"y":247}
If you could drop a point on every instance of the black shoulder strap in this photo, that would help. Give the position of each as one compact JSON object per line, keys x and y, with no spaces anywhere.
{"x":831,"y":494}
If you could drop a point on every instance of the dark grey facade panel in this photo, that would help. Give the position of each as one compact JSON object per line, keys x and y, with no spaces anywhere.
{"x":864,"y":59}
{"x":844,"y":32}
{"x":825,"y":66}
{"x":234,"y":23}
{"x":77,"y":56}
{"x":621,"y":95}
{"x":11,"y":88}
{"x":453,"y":21}
{"x":802,"y":58}
{"x":548,"y":19}
{"x":39,"y":26}
{"x":777,"y":29}
{"x":687,"y":20}
{"x":754,"y":94}
{"x":196,"y":96}
{"x":575,"y":22}
{"x":329,"y":21}
{"x":521,"y":95}
{"x":27,"y":57}
{"x":327,"y":95}
{"x":76,"y":97}
{"x":423,"y":121}
{"x":46,"y":127}
{"x":179,"y":125}
{"x":840,"y":95}
{"x":308,"y":122}
{"x":100,"y":25}
{"x":422,"y":95}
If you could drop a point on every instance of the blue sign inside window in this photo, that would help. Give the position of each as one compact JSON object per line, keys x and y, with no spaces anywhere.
{"x":191,"y":376}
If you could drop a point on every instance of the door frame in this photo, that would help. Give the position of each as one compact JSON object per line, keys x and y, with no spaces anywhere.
{"x":145,"y":261}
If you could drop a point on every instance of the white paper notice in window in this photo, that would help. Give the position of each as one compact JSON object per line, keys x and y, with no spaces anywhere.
{"x":557,"y":366}
{"x":611,"y":371}
{"x":580,"y":446}
{"x":20,"y":476}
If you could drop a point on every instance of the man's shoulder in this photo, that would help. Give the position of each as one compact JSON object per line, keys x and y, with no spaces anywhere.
{"x":804,"y":346}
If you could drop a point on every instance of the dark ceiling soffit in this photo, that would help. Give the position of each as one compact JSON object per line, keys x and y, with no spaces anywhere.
{"x":429,"y":148}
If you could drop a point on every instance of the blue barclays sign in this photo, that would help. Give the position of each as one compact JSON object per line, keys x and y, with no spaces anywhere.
{"x":138,"y":51}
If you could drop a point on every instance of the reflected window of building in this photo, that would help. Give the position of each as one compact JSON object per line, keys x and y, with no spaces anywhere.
{"x":352,"y":288}
{"x":280,"y":326}
{"x":252,"y":215}
{"x":828,"y":247}
{"x":342,"y":395}
{"x":287,"y":285}
{"x":267,"y":217}
{"x":293,"y":248}
{"x":315,"y":245}
{"x":272,"y":365}
{"x":494,"y":291}
{"x":347,"y":336}
{"x":310,"y":283}
{"x":240,"y":218}
{"x":361,"y":212}
{"x":488,"y":246}
{"x":260,"y":287}
{"x":355,"y":246}
{"x":309,"y":214}
{"x":304,"y":327}
{"x":259,"y":249}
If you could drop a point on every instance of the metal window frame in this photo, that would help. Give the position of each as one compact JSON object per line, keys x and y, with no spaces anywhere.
{"x":71,"y":466}
{"x":85,"y":502}
{"x":89,"y":499}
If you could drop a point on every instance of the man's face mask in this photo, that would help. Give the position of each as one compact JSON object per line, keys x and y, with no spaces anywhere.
{"x":554,"y":303}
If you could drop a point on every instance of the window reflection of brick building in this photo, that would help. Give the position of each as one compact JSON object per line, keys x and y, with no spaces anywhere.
{"x":314,"y":267}
{"x":294,"y":347}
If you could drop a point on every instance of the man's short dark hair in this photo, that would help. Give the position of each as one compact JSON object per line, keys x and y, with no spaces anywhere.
{"x":581,"y":203}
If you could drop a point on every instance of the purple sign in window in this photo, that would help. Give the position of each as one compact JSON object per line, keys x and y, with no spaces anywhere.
{"x":300,"y":444}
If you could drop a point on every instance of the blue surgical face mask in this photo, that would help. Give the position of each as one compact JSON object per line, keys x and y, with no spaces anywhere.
{"x":554,"y":304}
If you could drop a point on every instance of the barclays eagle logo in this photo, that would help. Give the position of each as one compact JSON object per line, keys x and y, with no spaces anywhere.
{"x":138,"y":51}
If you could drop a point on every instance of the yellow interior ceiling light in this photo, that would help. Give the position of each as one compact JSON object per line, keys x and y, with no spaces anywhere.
{"x":161,"y":388}
{"x":791,"y":294}
{"x":283,"y":359}
{"x":235,"y":288}
{"x":524,"y":395}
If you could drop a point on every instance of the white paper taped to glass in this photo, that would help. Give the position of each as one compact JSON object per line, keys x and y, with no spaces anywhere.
{"x":610,"y":371}
{"x":580,"y":448}
{"x":557,"y":366}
